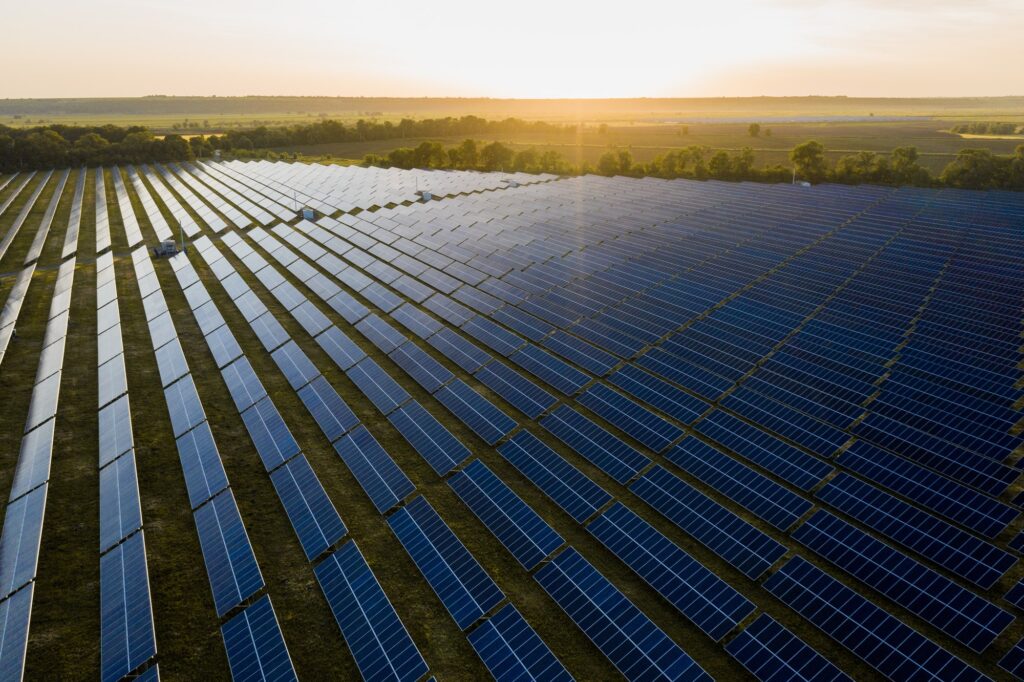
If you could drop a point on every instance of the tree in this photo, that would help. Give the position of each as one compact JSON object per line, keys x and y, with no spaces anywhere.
{"x":754,"y":129}
{"x":905,"y":168}
{"x":496,"y":156}
{"x":720,"y":166}
{"x":602,"y":129}
{"x":809,"y":161}
{"x":608,"y":164}
{"x":469,"y":156}
{"x":625,"y":159}
{"x":975,"y":169}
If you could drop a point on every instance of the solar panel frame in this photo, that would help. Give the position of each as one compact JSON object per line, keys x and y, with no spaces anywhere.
{"x":511,"y":650}
{"x":472,"y":409}
{"x":313,"y":516}
{"x":381,"y":478}
{"x":432,"y":441}
{"x":254,"y":644}
{"x":127,"y":638}
{"x":227,"y":553}
{"x":771,"y":652}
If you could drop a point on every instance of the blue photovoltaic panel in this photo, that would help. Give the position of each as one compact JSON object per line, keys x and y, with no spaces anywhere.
{"x":120,"y":513}
{"x":170,"y":362}
{"x":475,"y":411}
{"x":19,"y":542}
{"x":517,"y":390}
{"x":776,"y":456}
{"x":230,"y":564}
{"x":975,"y":510}
{"x":817,"y":436}
{"x":380,"y":333}
{"x":416,"y":321}
{"x":184,"y":406}
{"x":576,"y":494}
{"x":334,"y":417}
{"x":126,"y":612}
{"x":526,"y":324}
{"x":447,"y":309}
{"x":434,"y":443}
{"x":702,"y":382}
{"x":638,"y":422}
{"x":960,"y":552}
{"x":310,"y":318}
{"x":741,"y":484}
{"x":15,"y":613}
{"x":523,"y":533}
{"x":460,"y":351}
{"x":293,"y":363}
{"x":593,"y":443}
{"x":726,"y":534}
{"x":201,"y":464}
{"x":882,"y":641}
{"x":340,"y":348}
{"x":707,"y":600}
{"x":513,"y":652}
{"x":348,"y":307}
{"x":377,"y":385}
{"x":461,"y":584}
{"x":959,"y":613}
{"x":772,"y":654}
{"x":493,"y":336}
{"x":243,"y":385}
{"x":255,"y":646}
{"x":384,"y":482}
{"x":381,"y":296}
{"x":115,"y":426}
{"x":274,"y":442}
{"x":563,"y":378}
{"x":223,"y":346}
{"x":34,"y":457}
{"x":379,"y":642}
{"x":1013,"y":661}
{"x":424,"y":370}
{"x":659,"y":394}
{"x":313,"y":517}
{"x":269,"y":331}
{"x":635,"y":645}
{"x":581,"y":353}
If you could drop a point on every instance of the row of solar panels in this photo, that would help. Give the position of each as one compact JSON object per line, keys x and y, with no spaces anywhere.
{"x":496,"y":525}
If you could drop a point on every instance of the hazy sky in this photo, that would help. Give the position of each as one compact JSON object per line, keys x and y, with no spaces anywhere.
{"x":515,"y":48}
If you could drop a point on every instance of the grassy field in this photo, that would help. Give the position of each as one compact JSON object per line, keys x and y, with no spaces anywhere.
{"x":65,"y":626}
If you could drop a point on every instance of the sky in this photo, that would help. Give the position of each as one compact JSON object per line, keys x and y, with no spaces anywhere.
{"x":517,"y":48}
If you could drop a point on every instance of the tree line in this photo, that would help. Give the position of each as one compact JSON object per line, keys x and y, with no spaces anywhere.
{"x":60,"y":145}
{"x":985,"y":128}
{"x":970,"y":169}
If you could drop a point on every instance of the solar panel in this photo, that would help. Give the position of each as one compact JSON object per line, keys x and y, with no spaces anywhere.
{"x":208,"y":317}
{"x":1013,"y":661}
{"x":597,"y":446}
{"x":741,"y":484}
{"x":19,"y":541}
{"x":379,"y":642}
{"x":170,"y":362}
{"x":581,"y":353}
{"x":313,"y":517}
{"x":243,"y":384}
{"x":334,"y":417}
{"x":511,"y":650}
{"x":434,"y":443}
{"x":491,"y":335}
{"x":638,"y":422}
{"x":377,"y":385}
{"x":34,"y":457}
{"x":447,"y":309}
{"x":126,"y":612}
{"x":295,"y":365}
{"x":381,"y":296}
{"x":380,"y":333}
{"x":423,"y":369}
{"x":780,"y":458}
{"x":269,"y":331}
{"x":382,"y":480}
{"x":115,"y":429}
{"x":255,"y":646}
{"x":705,"y":599}
{"x":634,"y":644}
{"x":223,"y":346}
{"x":112,"y":381}
{"x":120,"y":513}
{"x":416,"y":321}
{"x":348,"y":307}
{"x":523,"y":533}
{"x":517,"y":390}
{"x":882,"y":641}
{"x":729,"y":536}
{"x":475,"y":411}
{"x":201,"y":464}
{"x":274,"y":442}
{"x":460,"y":583}
{"x":961,"y":614}
{"x":771,"y":652}
{"x":960,"y":552}
{"x":230,"y":564}
{"x":460,"y":351}
{"x":184,"y":406}
{"x":15,"y":613}
{"x":549,"y":369}
{"x":523,"y":322}
{"x":570,"y":489}
{"x":161,"y":330}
